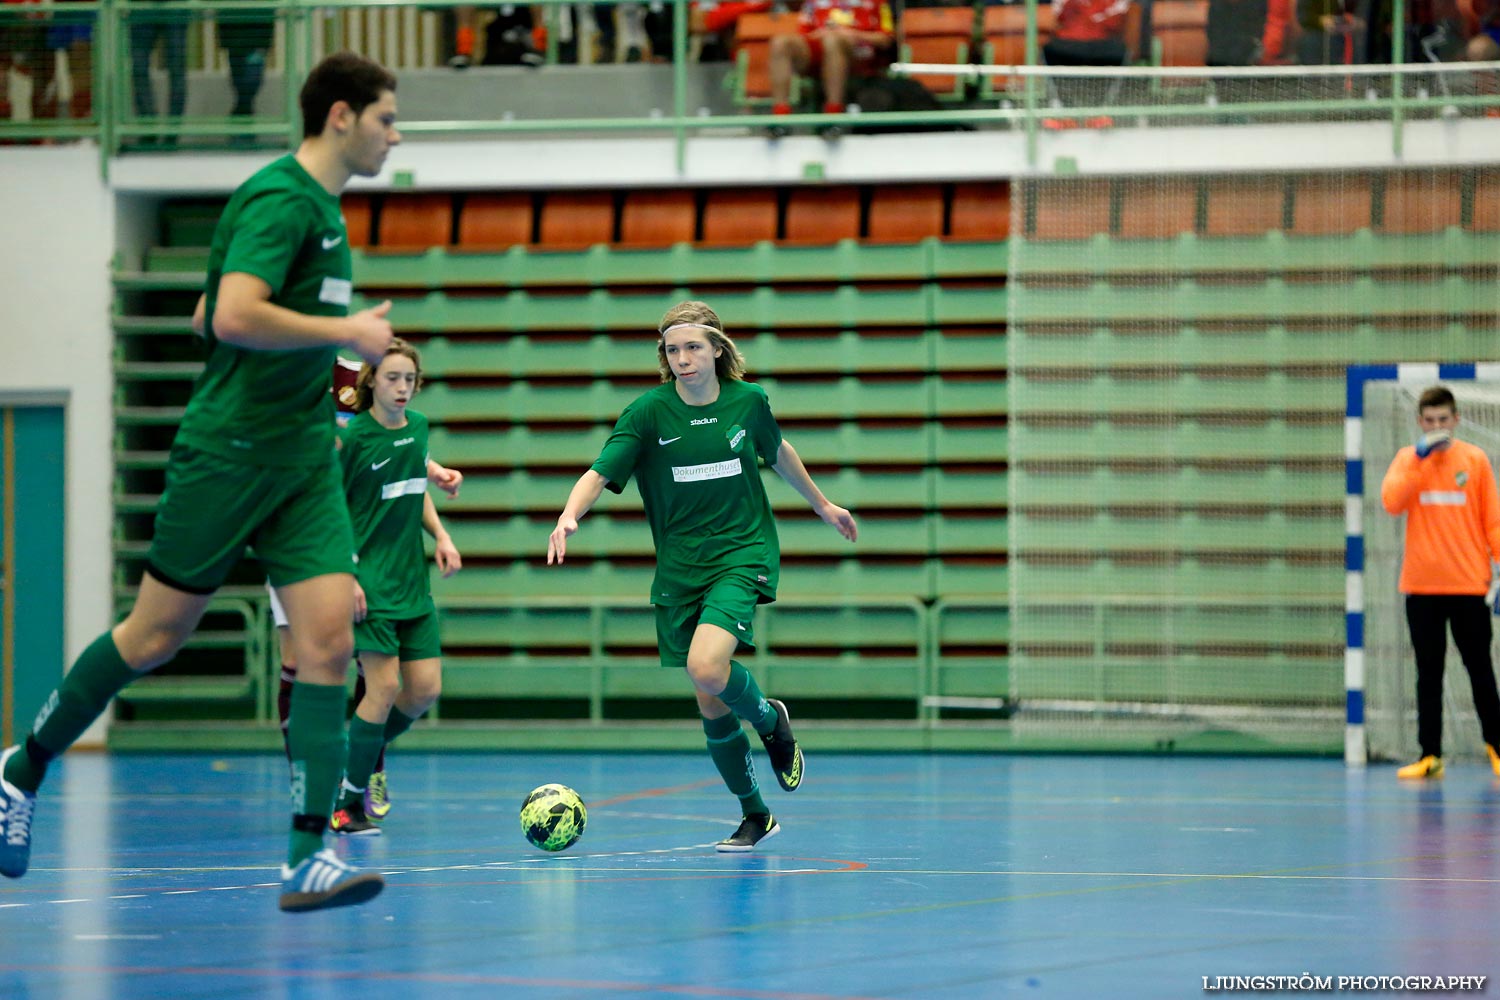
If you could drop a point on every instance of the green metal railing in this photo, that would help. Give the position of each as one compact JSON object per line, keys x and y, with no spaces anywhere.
{"x":1383,"y":97}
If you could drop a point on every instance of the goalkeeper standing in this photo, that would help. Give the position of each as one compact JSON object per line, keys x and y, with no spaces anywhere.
{"x":1446,"y":489}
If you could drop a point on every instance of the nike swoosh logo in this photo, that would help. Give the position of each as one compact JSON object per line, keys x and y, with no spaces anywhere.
{"x":376,"y":468}
{"x":330,"y":242}
{"x":662,"y":440}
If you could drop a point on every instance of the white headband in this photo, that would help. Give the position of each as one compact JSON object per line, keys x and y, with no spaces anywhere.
{"x":690,"y":326}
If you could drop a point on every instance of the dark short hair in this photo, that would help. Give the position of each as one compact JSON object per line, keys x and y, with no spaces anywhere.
{"x":346,"y":77}
{"x":1436,"y":396}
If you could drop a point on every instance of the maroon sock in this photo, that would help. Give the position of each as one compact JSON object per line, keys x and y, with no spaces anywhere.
{"x":284,"y":704}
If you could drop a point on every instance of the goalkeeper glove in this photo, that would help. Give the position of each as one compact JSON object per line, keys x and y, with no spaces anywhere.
{"x":1429,"y":443}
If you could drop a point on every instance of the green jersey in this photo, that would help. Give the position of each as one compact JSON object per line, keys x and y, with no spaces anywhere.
{"x":697,"y":468}
{"x":385,"y":480}
{"x":273,"y":407}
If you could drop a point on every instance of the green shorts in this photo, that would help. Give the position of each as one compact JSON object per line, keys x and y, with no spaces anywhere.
{"x":407,"y":639}
{"x":729,"y":603}
{"x":294,"y":517}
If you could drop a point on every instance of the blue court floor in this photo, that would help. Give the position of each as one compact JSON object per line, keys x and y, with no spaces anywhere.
{"x":931,"y":878}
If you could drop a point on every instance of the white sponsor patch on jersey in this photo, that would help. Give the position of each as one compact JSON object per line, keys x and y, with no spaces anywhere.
{"x":700,"y":473}
{"x":336,"y":291}
{"x":405,"y":487}
{"x":1444,"y":498}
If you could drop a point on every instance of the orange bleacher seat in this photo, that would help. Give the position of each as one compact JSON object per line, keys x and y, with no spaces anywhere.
{"x":494,"y":221}
{"x":357,"y":213}
{"x":905,"y":213}
{"x":1426,"y":201}
{"x":1005,"y":40}
{"x":822,"y":215}
{"x":938,"y":35}
{"x":739,"y":216}
{"x":658,"y":218}
{"x":572,"y":220}
{"x":1486,"y":215}
{"x":1180,"y":28}
{"x":980,"y":211}
{"x":1245,"y":206}
{"x":1158,"y":208}
{"x":1331,"y":204}
{"x":752,"y":46}
{"x":1069,"y":210}
{"x":416,"y":221}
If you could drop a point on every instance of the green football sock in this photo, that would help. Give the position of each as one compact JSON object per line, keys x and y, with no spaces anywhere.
{"x":729,"y":748}
{"x":743,"y":695}
{"x":315,"y":732}
{"x":396,"y":723}
{"x":365,"y":741}
{"x":97,"y":676}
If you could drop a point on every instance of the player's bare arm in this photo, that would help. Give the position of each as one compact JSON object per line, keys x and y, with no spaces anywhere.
{"x":245,"y":316}
{"x":200,"y":315}
{"x":584,"y":495}
{"x":445,"y":479}
{"x":445,"y":553}
{"x":788,"y":466}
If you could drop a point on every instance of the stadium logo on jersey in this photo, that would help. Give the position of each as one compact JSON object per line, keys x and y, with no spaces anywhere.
{"x":701,"y":421}
{"x":403,"y":441}
{"x":736,"y":436}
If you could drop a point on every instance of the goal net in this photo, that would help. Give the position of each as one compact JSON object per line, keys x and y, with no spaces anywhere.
{"x":1390,"y":672}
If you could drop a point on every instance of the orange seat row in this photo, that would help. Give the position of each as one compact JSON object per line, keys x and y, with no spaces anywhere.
{"x":572,"y":220}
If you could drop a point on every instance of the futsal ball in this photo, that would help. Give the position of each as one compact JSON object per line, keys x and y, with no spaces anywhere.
{"x":553,"y":817}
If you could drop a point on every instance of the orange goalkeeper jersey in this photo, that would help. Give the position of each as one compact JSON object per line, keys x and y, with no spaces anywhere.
{"x":1452,"y":518}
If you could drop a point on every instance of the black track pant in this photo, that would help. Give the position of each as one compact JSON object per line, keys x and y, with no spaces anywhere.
{"x":1429,"y":616}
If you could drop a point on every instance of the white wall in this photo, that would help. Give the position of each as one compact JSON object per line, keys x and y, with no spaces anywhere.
{"x":56,"y":238}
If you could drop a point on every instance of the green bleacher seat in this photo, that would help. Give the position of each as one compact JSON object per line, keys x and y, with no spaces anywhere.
{"x":1185,"y":439}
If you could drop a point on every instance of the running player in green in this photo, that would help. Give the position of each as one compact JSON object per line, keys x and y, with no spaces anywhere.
{"x":383,"y":452}
{"x":253,"y":463}
{"x":694,"y":445}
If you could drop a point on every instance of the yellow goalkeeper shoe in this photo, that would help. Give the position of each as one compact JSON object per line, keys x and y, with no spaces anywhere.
{"x":1427,"y":767}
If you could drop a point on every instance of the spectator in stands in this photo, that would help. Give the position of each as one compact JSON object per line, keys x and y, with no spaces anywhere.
{"x":1333,"y":32}
{"x":1087,"y":33}
{"x":246,"y":38}
{"x":836,"y":40}
{"x":515,"y":36}
{"x":1446,"y":489}
{"x":1484,"y":46}
{"x":21,"y":50}
{"x":72,"y":35}
{"x":1248,"y":32}
{"x":146,"y":30}
{"x":711,"y":25}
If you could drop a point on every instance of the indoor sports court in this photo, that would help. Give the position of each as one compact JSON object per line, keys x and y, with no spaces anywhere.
{"x":894,"y":876}
{"x":1114,"y":694}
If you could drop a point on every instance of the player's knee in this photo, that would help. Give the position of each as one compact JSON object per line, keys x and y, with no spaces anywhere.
{"x":709,"y":674}
{"x":424,"y":692}
{"x":381,"y":690}
{"x":147,"y":649}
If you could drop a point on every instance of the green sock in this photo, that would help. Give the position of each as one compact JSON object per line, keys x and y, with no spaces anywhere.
{"x":396,"y":723}
{"x":315,"y":732}
{"x":743,"y":695}
{"x":365,"y":741}
{"x":97,"y":676}
{"x":729,"y":748}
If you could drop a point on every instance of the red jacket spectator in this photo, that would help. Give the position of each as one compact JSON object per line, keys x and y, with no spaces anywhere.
{"x":1089,"y":20}
{"x":861,"y":15}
